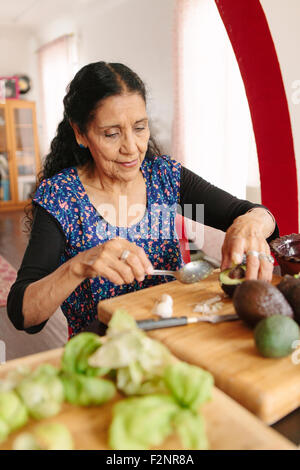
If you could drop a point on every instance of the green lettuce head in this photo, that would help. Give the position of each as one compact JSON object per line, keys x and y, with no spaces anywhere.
{"x":13,"y":413}
{"x":42,"y":392}
{"x":77,"y":352}
{"x":138,"y":361}
{"x":141,"y":423}
{"x":190,"y":385}
{"x":85,"y":391}
{"x":45,"y":436}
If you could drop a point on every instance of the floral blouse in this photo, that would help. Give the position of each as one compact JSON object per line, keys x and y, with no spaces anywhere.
{"x":65,"y":198}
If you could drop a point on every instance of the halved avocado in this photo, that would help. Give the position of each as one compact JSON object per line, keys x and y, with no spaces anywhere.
{"x":232,"y":277}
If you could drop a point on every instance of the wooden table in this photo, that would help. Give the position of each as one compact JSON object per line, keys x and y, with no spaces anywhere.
{"x":228,"y":425}
{"x":269,"y":388}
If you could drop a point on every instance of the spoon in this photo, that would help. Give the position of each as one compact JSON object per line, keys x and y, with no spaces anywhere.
{"x":189,"y":273}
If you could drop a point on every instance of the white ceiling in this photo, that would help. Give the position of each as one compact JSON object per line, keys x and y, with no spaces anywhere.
{"x":31,"y":13}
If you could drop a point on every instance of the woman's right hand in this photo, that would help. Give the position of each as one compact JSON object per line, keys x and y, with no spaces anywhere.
{"x":105,"y":261}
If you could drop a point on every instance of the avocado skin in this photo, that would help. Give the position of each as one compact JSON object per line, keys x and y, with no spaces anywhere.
{"x":229,"y":289}
{"x":294,"y":301}
{"x":274,"y":336}
{"x":287,"y":285}
{"x":254,"y":300}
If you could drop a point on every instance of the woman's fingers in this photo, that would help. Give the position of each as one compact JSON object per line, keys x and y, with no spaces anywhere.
{"x":265,"y":272}
{"x":266,"y":265}
{"x":252,"y":264}
{"x":232,"y":251}
{"x":137,"y":260}
{"x":108,"y":262}
{"x":134,"y":264}
{"x":258,"y":261}
{"x":258,"y":265}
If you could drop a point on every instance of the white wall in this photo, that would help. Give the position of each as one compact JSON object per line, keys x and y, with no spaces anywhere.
{"x":17,"y":46}
{"x":137,"y":33}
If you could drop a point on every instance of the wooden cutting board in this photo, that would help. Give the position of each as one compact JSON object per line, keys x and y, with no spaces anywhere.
{"x":228,"y":425}
{"x":269,"y":388}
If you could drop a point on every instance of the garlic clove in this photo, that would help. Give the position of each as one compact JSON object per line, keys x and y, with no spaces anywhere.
{"x":163,"y":310}
{"x":166,"y":298}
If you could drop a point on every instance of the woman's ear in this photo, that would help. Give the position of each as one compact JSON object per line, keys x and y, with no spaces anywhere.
{"x":80,"y":139}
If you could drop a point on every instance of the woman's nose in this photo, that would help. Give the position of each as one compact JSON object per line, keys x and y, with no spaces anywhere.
{"x":129,"y":145}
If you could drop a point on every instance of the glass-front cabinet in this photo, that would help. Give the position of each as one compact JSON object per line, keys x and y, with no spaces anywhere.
{"x":19,"y":153}
{"x":5,"y":167}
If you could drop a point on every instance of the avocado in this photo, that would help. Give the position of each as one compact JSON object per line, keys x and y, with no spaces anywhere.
{"x":274,"y":336}
{"x":254,"y":300}
{"x":232,"y":277}
{"x":287,"y":284}
{"x":294,"y":301}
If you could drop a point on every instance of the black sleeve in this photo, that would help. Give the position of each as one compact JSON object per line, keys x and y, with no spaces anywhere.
{"x":220,"y":207}
{"x":42,"y":257}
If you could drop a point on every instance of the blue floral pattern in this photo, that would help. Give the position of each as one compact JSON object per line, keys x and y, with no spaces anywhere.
{"x":65,"y":198}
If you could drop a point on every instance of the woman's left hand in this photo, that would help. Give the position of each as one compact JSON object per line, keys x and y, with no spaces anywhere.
{"x":247,"y":235}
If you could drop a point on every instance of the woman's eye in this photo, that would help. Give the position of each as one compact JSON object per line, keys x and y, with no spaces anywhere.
{"x":139,"y":129}
{"x":111,"y":135}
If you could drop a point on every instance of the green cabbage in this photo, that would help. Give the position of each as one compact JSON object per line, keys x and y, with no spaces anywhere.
{"x":76,"y":354}
{"x":191,"y":429}
{"x":141,"y":423}
{"x":42,"y":392}
{"x":13,"y":413}
{"x":135,"y":380}
{"x":13,"y":377}
{"x":4,"y":430}
{"x":138,"y":360}
{"x":84,"y":391}
{"x":190,"y":385}
{"x":120,"y":321}
{"x":45,"y":436}
{"x":145,"y":366}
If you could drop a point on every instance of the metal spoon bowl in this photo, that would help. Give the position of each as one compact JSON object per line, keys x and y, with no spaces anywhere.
{"x":189,"y":273}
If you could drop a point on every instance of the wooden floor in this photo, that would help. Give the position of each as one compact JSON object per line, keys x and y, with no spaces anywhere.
{"x":13,"y":243}
{"x":13,"y":240}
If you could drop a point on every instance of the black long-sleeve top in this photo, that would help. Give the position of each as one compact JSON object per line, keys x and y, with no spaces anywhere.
{"x":47,"y":240}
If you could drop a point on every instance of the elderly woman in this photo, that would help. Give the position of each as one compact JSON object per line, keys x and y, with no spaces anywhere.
{"x":103,"y":213}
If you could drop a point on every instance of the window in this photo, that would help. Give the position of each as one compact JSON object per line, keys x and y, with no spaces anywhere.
{"x":57,"y":64}
{"x":212,"y":124}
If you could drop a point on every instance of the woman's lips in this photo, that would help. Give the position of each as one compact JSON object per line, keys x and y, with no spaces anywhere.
{"x":129,"y":164}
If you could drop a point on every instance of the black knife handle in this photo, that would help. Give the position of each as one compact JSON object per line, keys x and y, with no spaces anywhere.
{"x":151,"y":324}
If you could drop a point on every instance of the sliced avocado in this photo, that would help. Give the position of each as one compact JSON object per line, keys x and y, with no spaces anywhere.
{"x":232,"y":277}
{"x":256,"y":299}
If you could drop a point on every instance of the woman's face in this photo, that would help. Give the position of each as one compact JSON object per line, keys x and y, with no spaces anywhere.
{"x":118,"y":136}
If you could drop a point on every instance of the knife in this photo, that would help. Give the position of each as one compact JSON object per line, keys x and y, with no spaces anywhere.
{"x":151,"y":324}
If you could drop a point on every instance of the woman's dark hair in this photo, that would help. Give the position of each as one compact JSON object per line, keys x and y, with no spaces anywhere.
{"x":93,"y":83}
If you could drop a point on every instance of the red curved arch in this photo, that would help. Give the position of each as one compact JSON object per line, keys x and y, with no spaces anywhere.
{"x":249,"y":33}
